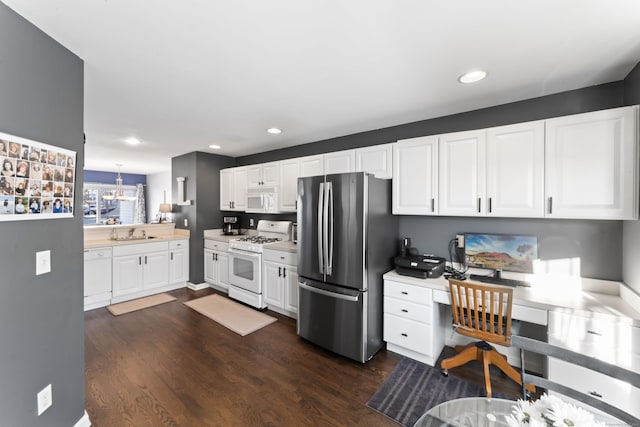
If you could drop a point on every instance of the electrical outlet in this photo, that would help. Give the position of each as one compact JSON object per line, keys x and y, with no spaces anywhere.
{"x":186,"y":222}
{"x":460,"y":238}
{"x":252,"y":222}
{"x":45,"y":399}
{"x":43,"y":262}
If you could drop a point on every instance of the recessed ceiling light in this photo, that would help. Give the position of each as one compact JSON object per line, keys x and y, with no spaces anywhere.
{"x":132,"y":141}
{"x":214,"y":147}
{"x":274,"y":131}
{"x":472,"y":76}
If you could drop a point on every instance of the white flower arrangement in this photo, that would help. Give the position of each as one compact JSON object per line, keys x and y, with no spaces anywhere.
{"x":550,"y":411}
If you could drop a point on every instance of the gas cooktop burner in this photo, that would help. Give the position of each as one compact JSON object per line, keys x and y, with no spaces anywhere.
{"x":260,"y":240}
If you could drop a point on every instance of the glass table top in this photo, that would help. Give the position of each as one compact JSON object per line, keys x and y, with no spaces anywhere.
{"x":469,"y":411}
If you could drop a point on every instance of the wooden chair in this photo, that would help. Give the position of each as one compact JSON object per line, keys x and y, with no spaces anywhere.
{"x":482,"y":311}
{"x":549,"y":350}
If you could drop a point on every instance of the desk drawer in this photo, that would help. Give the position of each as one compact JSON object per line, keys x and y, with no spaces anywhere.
{"x":416,"y":294}
{"x":408,"y":310}
{"x":581,"y":333}
{"x":407,"y":333}
{"x":615,"y":392}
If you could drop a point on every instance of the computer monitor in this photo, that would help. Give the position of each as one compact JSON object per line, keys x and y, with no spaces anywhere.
{"x":508,"y":252}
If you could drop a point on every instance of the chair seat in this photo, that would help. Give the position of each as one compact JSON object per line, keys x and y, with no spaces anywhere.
{"x":482,"y":311}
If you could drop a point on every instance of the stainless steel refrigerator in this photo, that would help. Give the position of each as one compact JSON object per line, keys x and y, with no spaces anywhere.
{"x":347,"y":239}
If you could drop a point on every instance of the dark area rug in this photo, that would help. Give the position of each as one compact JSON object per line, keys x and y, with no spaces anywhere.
{"x":413,"y":387}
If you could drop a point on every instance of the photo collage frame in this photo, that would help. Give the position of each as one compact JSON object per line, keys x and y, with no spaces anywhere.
{"x":37,"y":180}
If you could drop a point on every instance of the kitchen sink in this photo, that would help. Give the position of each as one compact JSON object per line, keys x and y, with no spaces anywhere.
{"x":127,"y":239}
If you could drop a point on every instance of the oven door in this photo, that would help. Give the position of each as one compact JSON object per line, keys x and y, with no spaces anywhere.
{"x":245,"y":270}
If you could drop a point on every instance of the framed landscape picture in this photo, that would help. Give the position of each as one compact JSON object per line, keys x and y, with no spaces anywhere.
{"x":37,"y":180}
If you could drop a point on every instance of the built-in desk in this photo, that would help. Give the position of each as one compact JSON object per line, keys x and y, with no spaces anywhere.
{"x":595,"y":317}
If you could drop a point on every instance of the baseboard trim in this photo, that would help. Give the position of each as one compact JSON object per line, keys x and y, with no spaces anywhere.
{"x":197,"y":287}
{"x":84,"y":421}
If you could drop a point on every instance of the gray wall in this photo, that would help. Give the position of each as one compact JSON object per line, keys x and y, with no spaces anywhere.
{"x":631,"y":229}
{"x":592,"y":98}
{"x":597,"y":243}
{"x":202,"y":171}
{"x":41,"y":317}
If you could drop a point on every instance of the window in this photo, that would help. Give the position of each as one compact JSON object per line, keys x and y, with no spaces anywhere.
{"x":97,"y":211}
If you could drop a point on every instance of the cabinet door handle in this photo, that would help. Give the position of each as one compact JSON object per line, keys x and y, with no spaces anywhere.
{"x":284,"y":272}
{"x":550,"y":204}
{"x":279,"y":271}
{"x":139,"y":260}
{"x":145,"y":259}
{"x":216,"y":257}
{"x":404,"y":293}
{"x":171,"y":256}
{"x":595,"y":394}
{"x":404,"y":310}
{"x":594,"y":333}
{"x":478,"y":204}
{"x":489,"y":204}
{"x":404,"y":335}
{"x":433,"y":204}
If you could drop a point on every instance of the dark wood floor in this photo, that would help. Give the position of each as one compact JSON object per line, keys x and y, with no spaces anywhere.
{"x":170,"y":366}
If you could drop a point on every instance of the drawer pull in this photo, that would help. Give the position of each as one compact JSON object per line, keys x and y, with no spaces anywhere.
{"x":404,"y":310}
{"x":595,"y":394}
{"x":404,"y":293}
{"x":404,"y":335}
{"x":594,"y":333}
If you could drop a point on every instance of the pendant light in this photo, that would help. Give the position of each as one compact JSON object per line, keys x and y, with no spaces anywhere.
{"x":118,"y":193}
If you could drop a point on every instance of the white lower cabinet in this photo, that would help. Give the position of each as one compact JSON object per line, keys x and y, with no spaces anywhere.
{"x":139,"y":269}
{"x":216,"y":264}
{"x":97,"y":278}
{"x":178,"y":261}
{"x":280,"y":275}
{"x":411,"y":322}
{"x":602,"y":337}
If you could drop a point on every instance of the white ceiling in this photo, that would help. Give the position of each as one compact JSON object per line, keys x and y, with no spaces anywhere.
{"x":182,"y":75}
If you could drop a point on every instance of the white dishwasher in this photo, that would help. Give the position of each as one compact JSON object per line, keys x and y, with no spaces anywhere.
{"x":97,"y":278}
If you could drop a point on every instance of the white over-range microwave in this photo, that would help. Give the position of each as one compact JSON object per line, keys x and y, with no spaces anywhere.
{"x":262,"y":200}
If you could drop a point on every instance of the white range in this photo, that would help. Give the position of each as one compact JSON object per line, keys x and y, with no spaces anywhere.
{"x":245,"y":261}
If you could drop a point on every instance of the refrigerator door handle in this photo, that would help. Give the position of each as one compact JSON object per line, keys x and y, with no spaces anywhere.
{"x":330,"y":246}
{"x":320,"y":230}
{"x":325,"y":228}
{"x":304,"y":285}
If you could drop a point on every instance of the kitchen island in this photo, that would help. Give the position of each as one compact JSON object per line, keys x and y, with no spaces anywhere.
{"x":124,"y":262}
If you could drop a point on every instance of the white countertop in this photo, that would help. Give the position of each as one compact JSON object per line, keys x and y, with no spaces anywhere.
{"x":216,"y":234}
{"x":111,"y":243}
{"x":287,"y":246}
{"x":592,"y":297}
{"x":100,"y":236}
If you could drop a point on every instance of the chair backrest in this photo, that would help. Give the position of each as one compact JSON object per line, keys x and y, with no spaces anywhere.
{"x":549,"y":350}
{"x":482,"y":311}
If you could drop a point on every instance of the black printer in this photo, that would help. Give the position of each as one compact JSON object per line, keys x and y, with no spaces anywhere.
{"x":420,"y":266}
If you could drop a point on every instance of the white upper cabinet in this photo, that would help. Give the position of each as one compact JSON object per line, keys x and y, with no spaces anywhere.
{"x":311,"y":165}
{"x":376,"y":159}
{"x":591,"y":165}
{"x":233,"y":189}
{"x":515,"y":170}
{"x":263,"y":174}
{"x":289,"y":172}
{"x":340,"y":162}
{"x":462,"y":173}
{"x":415,"y":176}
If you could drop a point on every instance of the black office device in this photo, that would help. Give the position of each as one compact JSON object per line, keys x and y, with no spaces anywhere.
{"x":420,"y":266}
